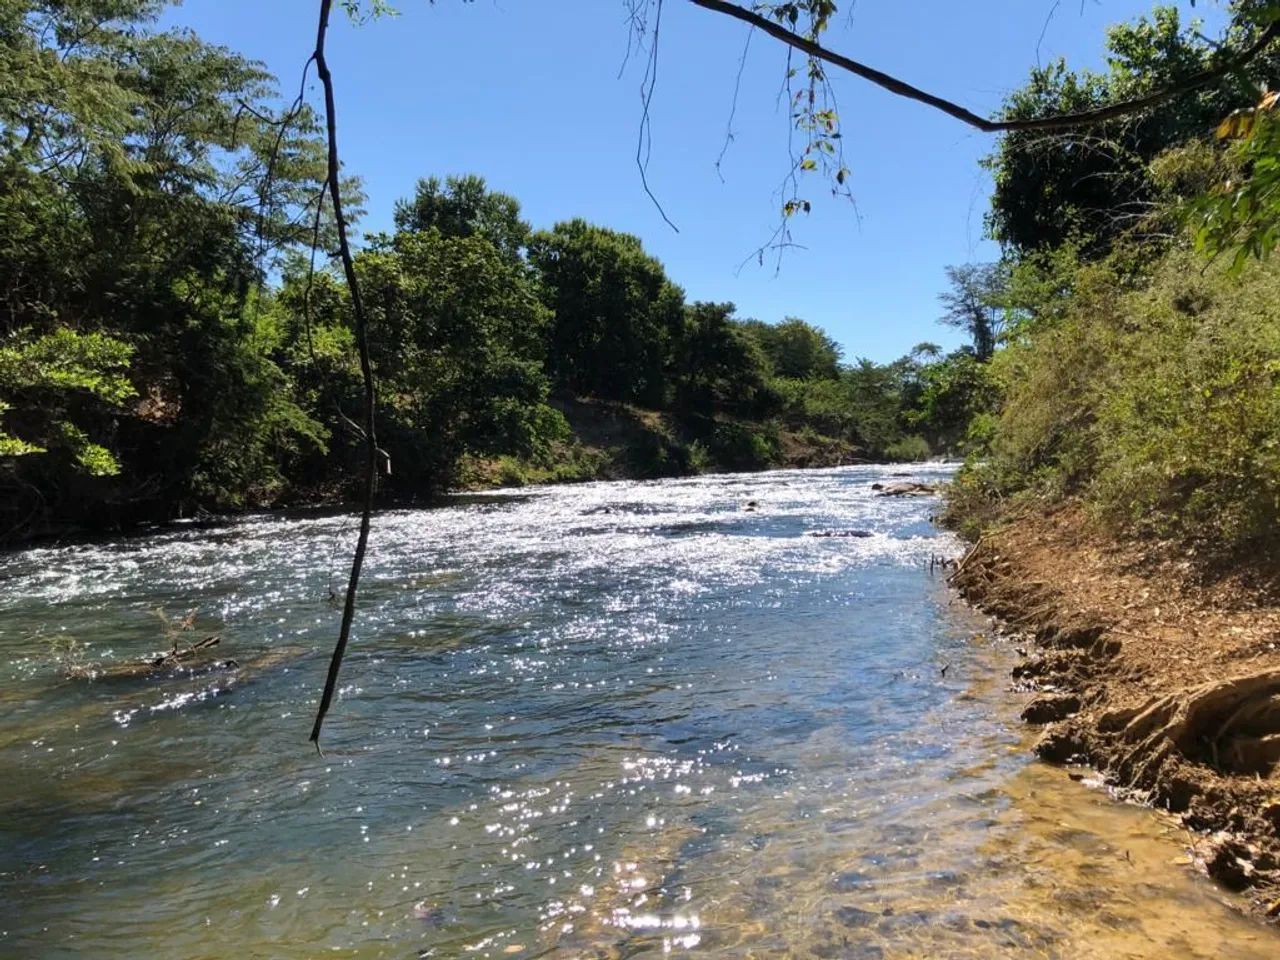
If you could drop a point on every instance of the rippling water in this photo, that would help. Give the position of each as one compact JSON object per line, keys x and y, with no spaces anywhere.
{"x":600,"y":721}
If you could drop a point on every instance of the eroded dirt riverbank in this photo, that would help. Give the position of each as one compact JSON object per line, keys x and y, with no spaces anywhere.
{"x":1167,"y":685}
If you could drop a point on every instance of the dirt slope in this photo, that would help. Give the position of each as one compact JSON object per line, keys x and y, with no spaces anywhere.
{"x":1168,"y":684}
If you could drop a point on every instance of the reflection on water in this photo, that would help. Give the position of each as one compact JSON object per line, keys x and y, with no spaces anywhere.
{"x":601,"y":721}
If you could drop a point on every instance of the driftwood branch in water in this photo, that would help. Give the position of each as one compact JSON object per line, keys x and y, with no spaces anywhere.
{"x":1227,"y":62}
{"x":366,"y":372}
{"x":178,"y":656}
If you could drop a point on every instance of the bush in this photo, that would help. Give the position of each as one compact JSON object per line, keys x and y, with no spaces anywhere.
{"x":910,"y":449}
{"x":510,"y":472}
{"x":699,"y":458}
{"x":655,"y":454}
{"x":1157,"y":400}
{"x":576,"y":464}
{"x":741,"y":446}
{"x":1188,"y":428}
{"x":972,"y":504}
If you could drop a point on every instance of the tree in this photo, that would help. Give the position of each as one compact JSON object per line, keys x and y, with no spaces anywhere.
{"x":925,"y":351}
{"x":797,"y":349}
{"x":463,"y":207}
{"x":719,"y":367}
{"x":875,"y":402}
{"x":52,"y":385}
{"x":951,"y":393}
{"x":617,"y":317}
{"x":1241,"y":210}
{"x":1094,"y":184}
{"x":974,"y":304}
{"x":456,"y":338}
{"x":145,"y":186}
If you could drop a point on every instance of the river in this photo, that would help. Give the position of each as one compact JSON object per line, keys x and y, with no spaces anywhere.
{"x":600,"y":721}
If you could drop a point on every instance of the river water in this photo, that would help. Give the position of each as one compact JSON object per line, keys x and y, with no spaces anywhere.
{"x":612,"y":720}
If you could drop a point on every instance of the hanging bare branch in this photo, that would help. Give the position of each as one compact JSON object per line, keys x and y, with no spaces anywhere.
{"x":733,"y":107}
{"x":644,"y":140}
{"x":369,"y":476}
{"x":1226,"y":64}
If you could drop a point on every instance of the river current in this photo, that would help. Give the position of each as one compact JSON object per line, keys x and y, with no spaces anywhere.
{"x":600,"y":721}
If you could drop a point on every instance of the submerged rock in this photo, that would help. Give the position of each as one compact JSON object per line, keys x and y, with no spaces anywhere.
{"x":852,"y":880}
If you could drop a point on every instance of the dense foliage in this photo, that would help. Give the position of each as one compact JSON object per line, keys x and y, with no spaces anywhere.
{"x":1093,"y":185}
{"x":136,"y":220}
{"x":617,"y":317}
{"x":1139,"y":374}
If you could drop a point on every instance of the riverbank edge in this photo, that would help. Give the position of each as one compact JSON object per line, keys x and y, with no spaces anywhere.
{"x":616,"y":441}
{"x":1154,"y":734}
{"x":483,"y":475}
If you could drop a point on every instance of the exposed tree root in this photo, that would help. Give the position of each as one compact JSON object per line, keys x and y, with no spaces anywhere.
{"x":1232,"y":726}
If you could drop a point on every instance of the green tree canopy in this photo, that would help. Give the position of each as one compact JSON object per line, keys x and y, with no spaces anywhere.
{"x":975,"y":304}
{"x":136,"y":221}
{"x":719,"y":366}
{"x":463,"y":207}
{"x":797,"y":349}
{"x":457,"y":336}
{"x":617,"y":316}
{"x":1094,"y":183}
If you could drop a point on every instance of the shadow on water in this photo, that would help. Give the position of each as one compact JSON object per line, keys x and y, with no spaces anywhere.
{"x":601,"y":721}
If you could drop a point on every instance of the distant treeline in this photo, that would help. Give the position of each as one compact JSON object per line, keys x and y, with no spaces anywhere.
{"x":169,"y":343}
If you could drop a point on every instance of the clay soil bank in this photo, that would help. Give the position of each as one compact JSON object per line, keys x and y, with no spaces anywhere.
{"x":1167,"y":684}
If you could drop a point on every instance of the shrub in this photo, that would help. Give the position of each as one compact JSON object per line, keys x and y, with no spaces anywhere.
{"x":1188,"y":430}
{"x":1157,"y":399}
{"x":655,"y":454}
{"x":909,"y":449}
{"x":510,"y":472}
{"x":699,"y":458}
{"x":741,"y":446}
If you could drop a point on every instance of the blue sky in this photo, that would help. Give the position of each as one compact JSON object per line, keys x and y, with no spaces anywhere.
{"x":527,"y":93}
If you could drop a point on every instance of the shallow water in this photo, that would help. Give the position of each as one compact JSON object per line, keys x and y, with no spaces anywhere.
{"x":601,"y":721}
